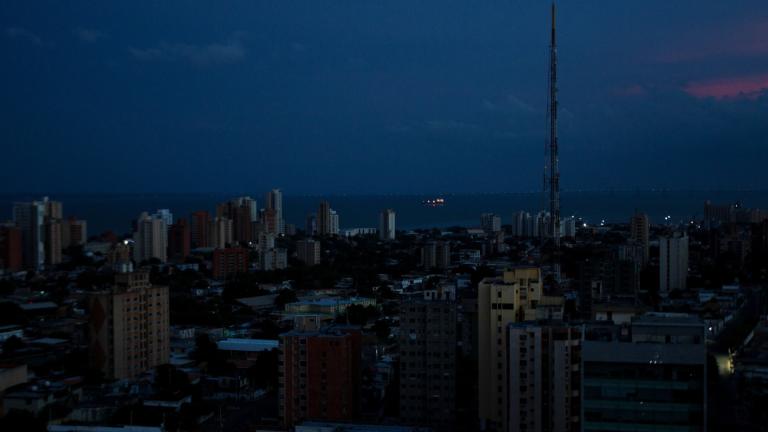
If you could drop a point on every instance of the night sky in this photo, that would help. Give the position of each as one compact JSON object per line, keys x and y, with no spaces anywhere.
{"x":379,"y":96}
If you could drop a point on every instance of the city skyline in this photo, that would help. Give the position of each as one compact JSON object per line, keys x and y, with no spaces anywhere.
{"x":337,"y":216}
{"x":362,"y":98}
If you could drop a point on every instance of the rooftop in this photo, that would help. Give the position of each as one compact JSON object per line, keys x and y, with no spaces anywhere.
{"x":667,"y":319}
{"x":343,"y":427}
{"x":249,"y":345}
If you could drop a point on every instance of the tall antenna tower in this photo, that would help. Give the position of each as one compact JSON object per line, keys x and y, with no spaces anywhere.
{"x":552,"y":170}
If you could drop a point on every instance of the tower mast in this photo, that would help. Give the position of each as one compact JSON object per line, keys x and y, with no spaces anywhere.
{"x":554,"y":170}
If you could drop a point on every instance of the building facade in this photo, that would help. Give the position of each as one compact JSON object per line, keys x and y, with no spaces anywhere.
{"x":673,"y":263}
{"x":436,"y":254}
{"x":129,"y":327}
{"x":29,"y":217}
{"x":500,"y":302}
{"x":387,"y":225}
{"x":651,"y":378}
{"x":308,"y":251}
{"x":428,"y":332}
{"x":490,"y":222}
{"x":199,"y":229}
{"x":275,"y":202}
{"x":150,"y":239}
{"x":544,"y":377}
{"x":639,"y":228}
{"x":10,"y":247}
{"x":229,"y":261}
{"x":179,"y":240}
{"x":319,"y":374}
{"x":243,"y":212}
{"x":74,"y":232}
{"x":221,"y":233}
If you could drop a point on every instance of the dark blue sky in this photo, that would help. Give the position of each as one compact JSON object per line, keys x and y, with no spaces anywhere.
{"x":379,"y":96}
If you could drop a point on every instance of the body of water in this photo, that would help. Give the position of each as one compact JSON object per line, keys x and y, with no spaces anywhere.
{"x":115,"y":212}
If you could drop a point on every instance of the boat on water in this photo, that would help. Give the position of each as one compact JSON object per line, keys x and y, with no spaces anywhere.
{"x":433,"y":202}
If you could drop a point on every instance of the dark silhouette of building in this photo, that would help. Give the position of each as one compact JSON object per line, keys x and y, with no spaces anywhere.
{"x":229,"y":261}
{"x":436,"y":254}
{"x":10,"y":248}
{"x":178,"y":240}
{"x":324,"y":223}
{"x":242,"y":212}
{"x":199,"y":228}
{"x":320,"y":373}
{"x":428,"y":346}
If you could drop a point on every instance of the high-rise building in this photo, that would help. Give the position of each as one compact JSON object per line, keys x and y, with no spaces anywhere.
{"x":74,"y":232}
{"x":544,"y":376}
{"x":652,"y":377}
{"x":319,"y":374}
{"x":40,"y":225}
{"x":270,"y":222}
{"x":150,"y":239}
{"x":129,"y":327}
{"x":673,"y":263}
{"x":275,"y":202}
{"x":52,"y":241}
{"x":29,"y":218}
{"x":311,"y":224}
{"x":242,"y":211}
{"x":273,"y":259}
{"x":324,"y":223}
{"x":490,"y":222}
{"x":229,"y":261}
{"x":541,"y":224}
{"x":221,"y":233}
{"x":568,"y":227}
{"x":501,"y":301}
{"x":179,"y":240}
{"x":522,"y":224}
{"x":308,"y":251}
{"x":715,"y":214}
{"x":428,"y":360}
{"x":334,"y":218}
{"x":10,"y":247}
{"x":436,"y":254}
{"x":266,"y":241}
{"x":119,"y":257}
{"x":53,"y":209}
{"x":165,"y":215}
{"x":387,"y":225}
{"x":199,"y":230}
{"x":639,"y":227}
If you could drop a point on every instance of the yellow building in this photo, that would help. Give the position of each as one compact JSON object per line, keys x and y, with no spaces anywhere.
{"x":129,"y":327}
{"x":500,"y":301}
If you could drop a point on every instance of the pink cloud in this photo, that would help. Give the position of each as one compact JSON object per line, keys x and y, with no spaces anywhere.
{"x":727,"y":88}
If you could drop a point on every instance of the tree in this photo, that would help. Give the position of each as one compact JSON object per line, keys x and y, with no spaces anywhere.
{"x":242,"y":285}
{"x":265,"y":371}
{"x":11,"y":345}
{"x":206,"y":351}
{"x":170,"y":381}
{"x":18,"y":420}
{"x":7,"y":287}
{"x":11,"y":314}
{"x":284,"y":297}
{"x":382,"y":329}
{"x":359,"y":315}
